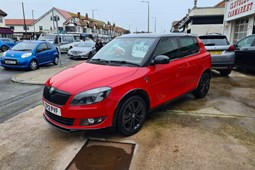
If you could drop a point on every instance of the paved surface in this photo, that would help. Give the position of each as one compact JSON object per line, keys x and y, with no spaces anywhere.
{"x":217,"y":132}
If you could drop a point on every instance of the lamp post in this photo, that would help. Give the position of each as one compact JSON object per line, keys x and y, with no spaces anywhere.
{"x":155,"y":24}
{"x":148,"y":14}
{"x":56,"y":18}
{"x":33,"y":22}
{"x":25,"y":26}
{"x":93,"y":12}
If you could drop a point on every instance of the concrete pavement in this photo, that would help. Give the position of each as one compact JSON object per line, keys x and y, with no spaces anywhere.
{"x":217,"y":132}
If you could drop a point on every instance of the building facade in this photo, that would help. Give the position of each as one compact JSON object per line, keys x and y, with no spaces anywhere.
{"x":202,"y":20}
{"x":239,"y":20}
{"x":68,"y":22}
{"x":4,"y":32}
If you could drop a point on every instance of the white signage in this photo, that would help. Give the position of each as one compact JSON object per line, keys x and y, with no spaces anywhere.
{"x":239,"y":8}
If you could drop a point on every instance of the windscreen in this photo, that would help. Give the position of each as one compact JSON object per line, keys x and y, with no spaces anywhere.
{"x":132,"y":50}
{"x":24,"y":46}
{"x":214,"y":40}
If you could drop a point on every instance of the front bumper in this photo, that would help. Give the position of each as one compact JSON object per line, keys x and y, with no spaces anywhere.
{"x":79,"y":55}
{"x":20,"y":63}
{"x":72,"y":116}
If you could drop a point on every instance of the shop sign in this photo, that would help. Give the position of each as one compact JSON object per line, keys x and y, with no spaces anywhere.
{"x":239,"y":8}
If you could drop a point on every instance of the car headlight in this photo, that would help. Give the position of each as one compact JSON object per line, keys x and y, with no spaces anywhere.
{"x":91,"y":96}
{"x":26,"y":55}
{"x":3,"y":55}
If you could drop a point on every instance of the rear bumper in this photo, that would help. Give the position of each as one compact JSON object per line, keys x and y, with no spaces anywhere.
{"x":224,"y":61}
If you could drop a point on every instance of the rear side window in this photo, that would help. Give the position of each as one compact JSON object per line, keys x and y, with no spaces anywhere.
{"x":167,"y":46}
{"x":214,"y":40}
{"x":189,"y":46}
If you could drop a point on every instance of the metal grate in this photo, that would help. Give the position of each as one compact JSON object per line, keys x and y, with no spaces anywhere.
{"x":59,"y":119}
{"x":56,"y":96}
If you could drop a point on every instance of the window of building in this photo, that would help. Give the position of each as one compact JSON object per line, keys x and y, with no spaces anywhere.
{"x":41,"y":28}
{"x":12,"y":27}
{"x":1,"y":20}
{"x":241,"y":27}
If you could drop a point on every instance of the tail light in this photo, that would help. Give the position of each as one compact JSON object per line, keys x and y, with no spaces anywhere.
{"x":231,"y":48}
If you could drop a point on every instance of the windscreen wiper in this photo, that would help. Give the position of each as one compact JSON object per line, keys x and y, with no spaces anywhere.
{"x":123,"y":62}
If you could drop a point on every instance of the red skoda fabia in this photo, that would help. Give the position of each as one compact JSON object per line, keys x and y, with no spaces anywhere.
{"x":125,"y":80}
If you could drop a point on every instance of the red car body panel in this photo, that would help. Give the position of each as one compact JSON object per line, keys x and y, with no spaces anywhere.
{"x":162,"y":82}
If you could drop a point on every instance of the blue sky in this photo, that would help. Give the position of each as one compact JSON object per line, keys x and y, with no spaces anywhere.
{"x":127,"y":14}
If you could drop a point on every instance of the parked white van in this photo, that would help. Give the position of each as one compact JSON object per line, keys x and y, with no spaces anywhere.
{"x":67,"y":41}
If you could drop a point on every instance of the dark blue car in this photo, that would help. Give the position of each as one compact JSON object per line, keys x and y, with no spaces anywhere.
{"x":6,"y":43}
{"x":30,"y":55}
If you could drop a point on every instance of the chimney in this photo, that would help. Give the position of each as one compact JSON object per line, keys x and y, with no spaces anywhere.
{"x":195,"y":3}
{"x":86,"y":16}
{"x":79,"y":15}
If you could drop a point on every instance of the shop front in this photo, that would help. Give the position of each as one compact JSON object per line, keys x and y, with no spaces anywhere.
{"x":239,"y":20}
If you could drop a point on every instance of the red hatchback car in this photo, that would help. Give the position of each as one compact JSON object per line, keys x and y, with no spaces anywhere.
{"x":125,"y":80}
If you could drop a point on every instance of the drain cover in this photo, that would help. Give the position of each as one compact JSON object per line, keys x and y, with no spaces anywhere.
{"x":103,"y":155}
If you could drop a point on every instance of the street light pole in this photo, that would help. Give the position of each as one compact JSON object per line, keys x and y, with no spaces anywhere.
{"x":93,"y":12}
{"x":33,"y":22}
{"x":24,"y":17}
{"x":56,"y":18}
{"x":148,"y":14}
{"x":155,"y":24}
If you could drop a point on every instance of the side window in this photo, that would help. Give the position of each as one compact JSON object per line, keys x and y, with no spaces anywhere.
{"x":247,"y":42}
{"x":168,"y":47}
{"x":49,"y":46}
{"x":42,"y":47}
{"x":189,"y":46}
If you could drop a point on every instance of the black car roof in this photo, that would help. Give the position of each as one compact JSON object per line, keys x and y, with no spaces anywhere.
{"x":146,"y":35}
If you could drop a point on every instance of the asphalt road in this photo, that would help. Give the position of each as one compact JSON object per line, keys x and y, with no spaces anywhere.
{"x":17,"y":98}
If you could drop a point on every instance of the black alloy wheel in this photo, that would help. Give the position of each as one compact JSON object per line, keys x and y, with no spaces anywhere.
{"x":131,"y":115}
{"x":203,"y":87}
{"x":4,"y":48}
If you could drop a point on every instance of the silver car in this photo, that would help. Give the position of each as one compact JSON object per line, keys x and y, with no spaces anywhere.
{"x":83,"y":50}
{"x":222,"y":53}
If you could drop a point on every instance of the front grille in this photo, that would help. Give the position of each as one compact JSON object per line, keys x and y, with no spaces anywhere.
{"x":76,"y":52}
{"x":59,"y":119}
{"x":56,"y":96}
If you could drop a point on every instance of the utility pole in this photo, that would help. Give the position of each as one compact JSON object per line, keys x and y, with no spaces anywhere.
{"x":53,"y":20}
{"x":148,"y":14}
{"x":33,"y":22}
{"x":25,"y":26}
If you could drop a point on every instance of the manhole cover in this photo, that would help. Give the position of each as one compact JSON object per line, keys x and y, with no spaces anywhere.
{"x":103,"y":155}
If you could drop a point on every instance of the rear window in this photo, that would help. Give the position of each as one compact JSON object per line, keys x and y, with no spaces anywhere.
{"x":214,"y":40}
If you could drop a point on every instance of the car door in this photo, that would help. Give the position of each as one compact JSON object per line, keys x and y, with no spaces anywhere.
{"x":51,"y":52}
{"x":165,"y":78}
{"x":245,"y":52}
{"x":42,"y":53}
{"x":191,"y":67}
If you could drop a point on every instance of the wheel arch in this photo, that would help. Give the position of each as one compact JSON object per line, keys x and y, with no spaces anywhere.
{"x":139,"y":92}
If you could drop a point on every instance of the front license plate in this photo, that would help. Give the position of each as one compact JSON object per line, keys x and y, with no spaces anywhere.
{"x":215,"y":52}
{"x":52,"y":109}
{"x":10,"y":62}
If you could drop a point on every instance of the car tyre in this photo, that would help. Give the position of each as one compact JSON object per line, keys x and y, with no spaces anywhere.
{"x":131,"y":115}
{"x":203,"y":86}
{"x":56,"y":60}
{"x":33,"y":65}
{"x":225,"y":73}
{"x":4,"y":48}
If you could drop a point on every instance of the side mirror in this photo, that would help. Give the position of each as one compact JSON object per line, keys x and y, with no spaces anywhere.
{"x":161,"y":59}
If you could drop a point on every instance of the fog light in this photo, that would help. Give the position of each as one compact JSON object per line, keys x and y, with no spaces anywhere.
{"x":91,"y":121}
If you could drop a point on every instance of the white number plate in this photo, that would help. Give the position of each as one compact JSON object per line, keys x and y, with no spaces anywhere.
{"x":52,"y":109}
{"x":10,"y":62}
